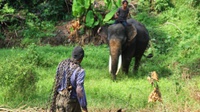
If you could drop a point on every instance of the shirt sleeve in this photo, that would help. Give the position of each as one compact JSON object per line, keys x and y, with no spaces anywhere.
{"x":80,"y":89}
{"x":127,"y":13}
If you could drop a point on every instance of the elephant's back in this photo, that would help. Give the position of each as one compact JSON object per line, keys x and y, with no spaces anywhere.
{"x":141,"y":29}
{"x":137,"y":24}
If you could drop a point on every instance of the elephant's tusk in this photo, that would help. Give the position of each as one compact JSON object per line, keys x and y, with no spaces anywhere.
{"x":119,"y":63}
{"x":110,"y":64}
{"x":98,"y":31}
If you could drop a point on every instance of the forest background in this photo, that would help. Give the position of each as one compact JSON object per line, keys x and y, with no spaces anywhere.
{"x":36,"y":35}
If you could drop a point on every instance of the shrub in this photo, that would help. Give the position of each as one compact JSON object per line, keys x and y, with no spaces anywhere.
{"x":154,"y":5}
{"x":34,"y":28}
{"x":18,"y":78}
{"x":19,"y":75}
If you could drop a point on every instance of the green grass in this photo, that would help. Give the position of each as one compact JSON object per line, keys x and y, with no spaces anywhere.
{"x":130,"y":91}
{"x":176,"y":48}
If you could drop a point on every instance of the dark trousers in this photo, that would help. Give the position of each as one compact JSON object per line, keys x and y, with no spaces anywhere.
{"x":124,"y":23}
{"x":64,"y":104}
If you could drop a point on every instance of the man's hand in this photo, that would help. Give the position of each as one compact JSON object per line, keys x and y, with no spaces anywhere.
{"x":128,"y":16}
{"x":85,"y":110}
{"x":63,"y":92}
{"x":116,"y":15}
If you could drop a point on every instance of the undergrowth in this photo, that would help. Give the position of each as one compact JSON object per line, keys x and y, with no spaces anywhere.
{"x":129,"y":91}
{"x":175,"y":45}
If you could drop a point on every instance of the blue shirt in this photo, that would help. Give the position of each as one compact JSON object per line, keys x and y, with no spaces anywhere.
{"x":77,"y":86}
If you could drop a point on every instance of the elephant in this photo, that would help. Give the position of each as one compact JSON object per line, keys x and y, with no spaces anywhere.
{"x":124,"y":44}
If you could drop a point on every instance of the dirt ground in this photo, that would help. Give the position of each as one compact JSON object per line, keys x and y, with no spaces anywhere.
{"x":35,"y":109}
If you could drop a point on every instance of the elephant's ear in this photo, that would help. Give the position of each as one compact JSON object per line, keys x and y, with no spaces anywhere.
{"x":132,"y":32}
{"x":102,"y":32}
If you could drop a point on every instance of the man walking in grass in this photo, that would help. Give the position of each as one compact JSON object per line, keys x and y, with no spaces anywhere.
{"x":69,"y":94}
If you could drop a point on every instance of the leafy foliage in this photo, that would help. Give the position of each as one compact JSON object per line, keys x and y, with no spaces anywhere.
{"x":162,"y":5}
{"x":154,"y":5}
{"x":171,"y":26}
{"x":46,"y":9}
{"x":30,"y":19}
{"x":93,"y":16}
{"x":174,"y":31}
{"x":19,"y":74}
{"x":37,"y":29}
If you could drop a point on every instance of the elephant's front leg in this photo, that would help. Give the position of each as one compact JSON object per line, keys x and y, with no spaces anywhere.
{"x":125,"y":63}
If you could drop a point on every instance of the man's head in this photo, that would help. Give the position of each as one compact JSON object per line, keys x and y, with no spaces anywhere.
{"x":78,"y":53}
{"x":124,"y":3}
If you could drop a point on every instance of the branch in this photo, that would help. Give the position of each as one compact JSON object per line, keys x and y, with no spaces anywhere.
{"x":133,"y":7}
{"x":175,"y":26}
{"x":4,"y":109}
{"x":16,"y":16}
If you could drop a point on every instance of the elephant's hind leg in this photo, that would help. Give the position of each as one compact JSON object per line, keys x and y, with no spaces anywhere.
{"x":137,"y":63}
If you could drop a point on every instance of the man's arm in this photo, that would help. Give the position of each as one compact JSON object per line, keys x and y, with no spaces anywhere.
{"x":128,"y":15}
{"x":81,"y":91}
{"x":117,"y":13}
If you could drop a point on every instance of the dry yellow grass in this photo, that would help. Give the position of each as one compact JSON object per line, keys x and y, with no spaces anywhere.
{"x":155,"y":96}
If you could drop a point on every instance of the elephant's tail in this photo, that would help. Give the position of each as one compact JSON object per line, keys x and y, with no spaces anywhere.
{"x":149,"y":55}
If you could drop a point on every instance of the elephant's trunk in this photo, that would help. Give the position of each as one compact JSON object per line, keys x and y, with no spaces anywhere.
{"x":115,"y":57}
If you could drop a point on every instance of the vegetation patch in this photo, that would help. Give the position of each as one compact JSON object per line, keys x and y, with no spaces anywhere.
{"x":32,"y":46}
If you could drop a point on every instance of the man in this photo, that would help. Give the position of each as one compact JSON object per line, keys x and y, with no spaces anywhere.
{"x":122,"y":14}
{"x":69,"y":88}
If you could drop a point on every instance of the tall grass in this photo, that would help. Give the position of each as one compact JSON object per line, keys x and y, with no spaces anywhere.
{"x":130,"y":91}
{"x":176,"y":48}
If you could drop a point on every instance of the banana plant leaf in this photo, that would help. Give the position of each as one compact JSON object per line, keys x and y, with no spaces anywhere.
{"x":77,"y":8}
{"x":87,"y":4}
{"x":109,"y":15}
{"x":95,"y":23}
{"x":117,"y":4}
{"x":109,"y":4}
{"x":89,"y":19}
{"x":100,"y":17}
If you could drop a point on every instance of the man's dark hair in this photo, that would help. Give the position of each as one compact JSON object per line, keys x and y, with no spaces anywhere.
{"x":78,"y":53}
{"x":124,"y":1}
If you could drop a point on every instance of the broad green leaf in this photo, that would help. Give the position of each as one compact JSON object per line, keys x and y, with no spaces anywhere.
{"x":74,"y":8}
{"x":87,"y":4}
{"x":119,"y":3}
{"x":77,"y":8}
{"x":109,"y":15}
{"x":110,"y":22}
{"x":109,"y":4}
{"x":89,"y":18}
{"x":100,"y":18}
{"x":96,"y":23}
{"x":115,"y":3}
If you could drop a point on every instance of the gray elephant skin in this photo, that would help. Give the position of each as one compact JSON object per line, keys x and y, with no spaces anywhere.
{"x":124,"y":44}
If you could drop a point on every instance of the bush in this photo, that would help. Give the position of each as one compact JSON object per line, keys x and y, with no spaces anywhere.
{"x":154,"y":5}
{"x":18,"y":78}
{"x":34,"y":28}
